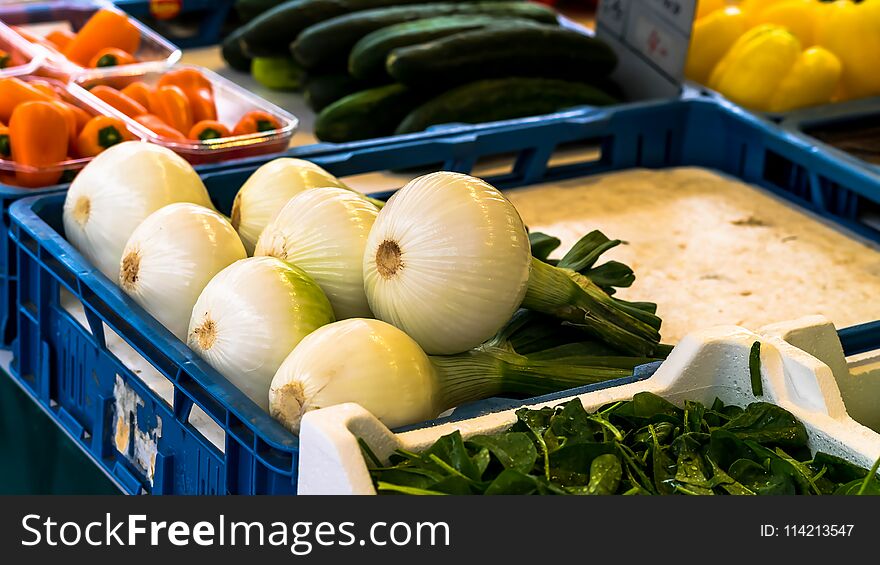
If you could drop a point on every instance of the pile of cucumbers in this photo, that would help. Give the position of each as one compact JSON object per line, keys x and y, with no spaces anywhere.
{"x":377,"y":67}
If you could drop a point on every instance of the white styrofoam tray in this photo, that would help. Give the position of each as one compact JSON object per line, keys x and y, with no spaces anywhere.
{"x":705,"y":365}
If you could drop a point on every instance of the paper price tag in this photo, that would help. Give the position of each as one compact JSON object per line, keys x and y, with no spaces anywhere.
{"x":651,"y":40}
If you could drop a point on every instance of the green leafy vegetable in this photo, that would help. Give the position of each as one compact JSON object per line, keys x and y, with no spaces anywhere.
{"x":646,"y":445}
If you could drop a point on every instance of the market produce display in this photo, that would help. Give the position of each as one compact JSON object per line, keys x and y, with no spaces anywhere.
{"x":786,"y":54}
{"x":107,"y":39}
{"x":643,"y":446}
{"x":46,"y":128}
{"x":446,"y":266}
{"x":374,"y":68}
{"x":181,"y":107}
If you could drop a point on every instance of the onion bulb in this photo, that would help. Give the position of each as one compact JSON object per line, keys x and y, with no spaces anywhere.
{"x":172,"y":255}
{"x":117,"y":190}
{"x":268,"y":189}
{"x":447,"y":261}
{"x":324,"y":232}
{"x":250,"y":316}
{"x":384,"y":370}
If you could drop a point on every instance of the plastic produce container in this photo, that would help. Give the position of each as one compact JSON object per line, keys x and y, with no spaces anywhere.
{"x":159,"y":420}
{"x":9,"y":193}
{"x":232,"y":103}
{"x":66,"y":169}
{"x":23,"y":59}
{"x":704,"y":366}
{"x":40,"y":18}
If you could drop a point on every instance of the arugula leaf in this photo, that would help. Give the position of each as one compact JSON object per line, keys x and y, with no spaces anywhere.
{"x":514,"y":450}
{"x":449,"y":453}
{"x":605,"y":474}
{"x":768,"y":423}
{"x":757,"y":479}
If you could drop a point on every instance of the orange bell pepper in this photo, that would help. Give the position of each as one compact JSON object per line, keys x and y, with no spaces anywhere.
{"x":256,"y":121}
{"x":70,"y":118}
{"x":198,"y":90}
{"x":208,"y":129}
{"x":139,"y":92}
{"x":45,"y":87}
{"x":82,"y":117}
{"x":111,"y":57}
{"x":118,"y":100}
{"x":38,"y":136}
{"x":5,"y":152}
{"x":100,"y":133}
{"x":14,"y":92}
{"x":5,"y":59}
{"x":172,"y":106}
{"x":106,"y":28}
{"x":59,"y":38}
{"x":156,"y":125}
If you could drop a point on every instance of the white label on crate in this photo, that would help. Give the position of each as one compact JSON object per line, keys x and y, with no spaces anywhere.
{"x":651,"y":40}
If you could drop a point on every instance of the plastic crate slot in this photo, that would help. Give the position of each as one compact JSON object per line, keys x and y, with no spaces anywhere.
{"x":188,"y":385}
{"x":495,"y":165}
{"x":202,"y":423}
{"x":784,"y":175}
{"x":580,"y":152}
{"x":242,"y":433}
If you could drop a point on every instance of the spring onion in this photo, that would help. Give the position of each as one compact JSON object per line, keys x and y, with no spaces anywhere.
{"x":324,"y":231}
{"x":448,"y":261}
{"x":250,"y":316}
{"x":384,"y":370}
{"x":172,"y":255}
{"x":268,"y":189}
{"x":117,"y":190}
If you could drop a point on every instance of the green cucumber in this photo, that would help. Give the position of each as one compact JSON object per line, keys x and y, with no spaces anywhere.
{"x":278,"y":73}
{"x":520,"y":50}
{"x":367,"y":57}
{"x":370,"y":113}
{"x":502,"y":99}
{"x":271,"y":33}
{"x":328,"y":44}
{"x":250,"y":9}
{"x":323,"y":90}
{"x":233,"y":54}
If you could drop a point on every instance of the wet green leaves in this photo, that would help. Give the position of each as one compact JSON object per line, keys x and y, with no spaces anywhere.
{"x":643,"y":446}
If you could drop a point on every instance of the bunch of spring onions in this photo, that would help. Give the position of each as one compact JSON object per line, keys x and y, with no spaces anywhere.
{"x":467,"y":304}
{"x":447,"y":265}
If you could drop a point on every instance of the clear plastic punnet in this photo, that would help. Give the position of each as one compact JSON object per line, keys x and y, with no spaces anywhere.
{"x":11,"y":172}
{"x":34,"y":20}
{"x":17,"y":56}
{"x":232,"y":102}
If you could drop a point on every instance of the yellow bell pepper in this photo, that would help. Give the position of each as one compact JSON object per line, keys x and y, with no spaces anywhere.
{"x":706,"y":7}
{"x":812,"y":80}
{"x":797,"y":16}
{"x":711,"y":37}
{"x":754,"y":8}
{"x":754,"y":67}
{"x":852,"y":32}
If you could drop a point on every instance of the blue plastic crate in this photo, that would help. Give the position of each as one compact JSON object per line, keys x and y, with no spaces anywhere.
{"x":211,"y":14}
{"x":845,"y":115}
{"x":70,"y":371}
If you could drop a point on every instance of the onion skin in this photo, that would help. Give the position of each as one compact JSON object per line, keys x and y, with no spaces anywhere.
{"x":388,"y":374}
{"x":250,"y":316}
{"x":117,"y":190}
{"x":267,"y":191}
{"x":324,"y":232}
{"x":447,"y":261}
{"x":171,"y":257}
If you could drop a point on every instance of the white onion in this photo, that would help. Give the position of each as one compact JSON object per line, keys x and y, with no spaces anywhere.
{"x":117,"y":190}
{"x":170,"y":258}
{"x":356,"y":360}
{"x":250,"y":316}
{"x":384,"y":370}
{"x":324,"y":232}
{"x":447,"y":261}
{"x":268,"y":189}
